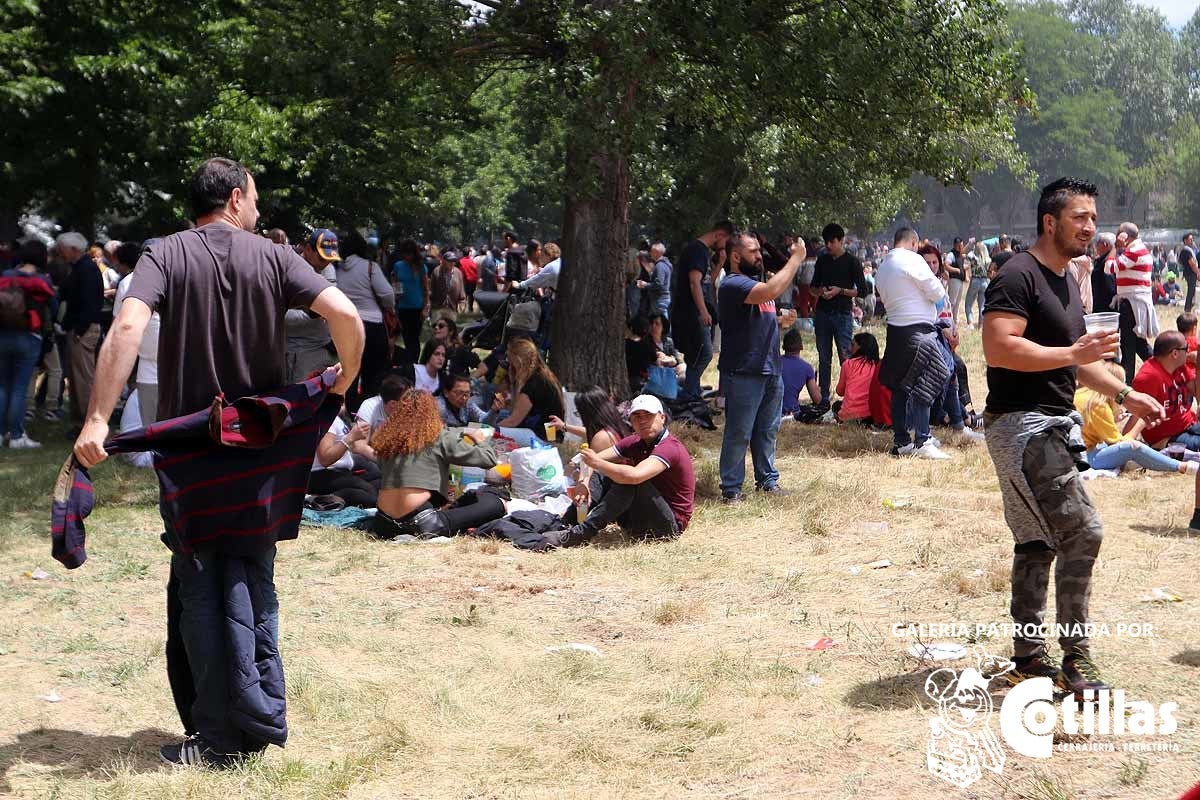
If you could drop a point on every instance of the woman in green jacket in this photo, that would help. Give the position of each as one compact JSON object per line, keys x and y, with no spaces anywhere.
{"x":415,"y":452}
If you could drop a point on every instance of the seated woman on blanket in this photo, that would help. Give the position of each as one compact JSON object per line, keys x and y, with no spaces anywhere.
{"x":339,"y":471}
{"x":416,"y":451}
{"x":1109,"y":447}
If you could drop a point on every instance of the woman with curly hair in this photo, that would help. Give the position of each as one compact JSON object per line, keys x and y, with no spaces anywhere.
{"x":536,"y":393}
{"x":415,"y":452}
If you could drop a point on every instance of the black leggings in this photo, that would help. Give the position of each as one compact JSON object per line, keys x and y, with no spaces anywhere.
{"x":410,"y":332}
{"x":354,"y":489}
{"x":470,"y":511}
{"x":374,"y":365}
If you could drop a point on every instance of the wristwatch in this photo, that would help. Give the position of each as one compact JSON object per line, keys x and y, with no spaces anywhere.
{"x":1121,"y":395}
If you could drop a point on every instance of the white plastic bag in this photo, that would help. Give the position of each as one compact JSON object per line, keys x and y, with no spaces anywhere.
{"x":537,"y":473}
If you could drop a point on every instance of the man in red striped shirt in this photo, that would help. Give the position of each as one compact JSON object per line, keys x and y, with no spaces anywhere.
{"x":1135,"y":298}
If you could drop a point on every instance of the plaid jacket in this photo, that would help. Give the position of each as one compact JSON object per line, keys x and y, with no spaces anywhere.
{"x":233,"y":476}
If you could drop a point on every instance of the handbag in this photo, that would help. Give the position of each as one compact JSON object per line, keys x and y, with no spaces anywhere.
{"x":661,"y":382}
{"x":391,"y":320}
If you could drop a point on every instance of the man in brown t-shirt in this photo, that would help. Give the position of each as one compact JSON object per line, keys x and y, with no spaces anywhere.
{"x":221,"y":292}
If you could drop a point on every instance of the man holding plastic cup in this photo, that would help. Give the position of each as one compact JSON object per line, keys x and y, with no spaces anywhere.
{"x":1037,"y":348}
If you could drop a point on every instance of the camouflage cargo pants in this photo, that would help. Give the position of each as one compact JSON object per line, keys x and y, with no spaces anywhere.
{"x":1076,"y":534}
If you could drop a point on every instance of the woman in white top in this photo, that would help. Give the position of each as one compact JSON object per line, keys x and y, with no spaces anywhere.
{"x":427,"y":374}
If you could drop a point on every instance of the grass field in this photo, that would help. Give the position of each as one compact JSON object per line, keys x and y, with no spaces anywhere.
{"x":423,"y":671}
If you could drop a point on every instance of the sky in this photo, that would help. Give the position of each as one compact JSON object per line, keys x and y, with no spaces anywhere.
{"x":1178,"y":12}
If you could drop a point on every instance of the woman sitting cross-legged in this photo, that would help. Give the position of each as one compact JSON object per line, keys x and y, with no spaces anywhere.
{"x":415,"y":452}
{"x":1111,"y":448}
{"x":339,"y":471}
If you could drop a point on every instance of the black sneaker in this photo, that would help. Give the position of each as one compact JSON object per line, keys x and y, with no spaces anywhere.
{"x":571,"y":537}
{"x":731,"y":499}
{"x":1035,"y":666}
{"x":1080,"y":674}
{"x":775,"y":489}
{"x":195,"y":752}
{"x":1194,"y":525}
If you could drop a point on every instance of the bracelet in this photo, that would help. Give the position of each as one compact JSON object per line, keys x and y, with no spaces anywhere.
{"x":1121,"y":395}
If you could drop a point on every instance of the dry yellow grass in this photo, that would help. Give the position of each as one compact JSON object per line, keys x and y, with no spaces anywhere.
{"x":422,"y":671}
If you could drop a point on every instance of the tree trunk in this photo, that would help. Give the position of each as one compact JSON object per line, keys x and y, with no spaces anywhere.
{"x":588,"y":347}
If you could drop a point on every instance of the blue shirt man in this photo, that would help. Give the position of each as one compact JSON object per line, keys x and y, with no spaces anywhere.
{"x":751,"y":374}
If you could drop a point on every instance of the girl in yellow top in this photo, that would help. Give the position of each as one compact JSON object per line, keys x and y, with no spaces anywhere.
{"x":1111,"y":448}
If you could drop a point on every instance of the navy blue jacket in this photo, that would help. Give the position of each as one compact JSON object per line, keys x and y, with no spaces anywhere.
{"x":84,"y":296}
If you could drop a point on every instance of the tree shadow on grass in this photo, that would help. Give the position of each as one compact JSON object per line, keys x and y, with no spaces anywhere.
{"x":1188,"y":658}
{"x":892,"y":691}
{"x":1168,"y":531}
{"x":74,"y":754}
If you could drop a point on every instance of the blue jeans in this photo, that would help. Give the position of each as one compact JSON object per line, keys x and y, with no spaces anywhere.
{"x":698,"y":356}
{"x":908,"y":415}
{"x":830,"y":329}
{"x":976,"y":292}
{"x":1115,"y":456}
{"x":1190,"y":438}
{"x":19,"y":356}
{"x":753,"y":404}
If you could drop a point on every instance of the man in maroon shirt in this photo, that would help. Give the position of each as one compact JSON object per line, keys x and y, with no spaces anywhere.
{"x":652,"y":495}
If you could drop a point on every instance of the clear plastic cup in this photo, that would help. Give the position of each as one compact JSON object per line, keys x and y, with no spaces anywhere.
{"x":551,"y":432}
{"x":1104,"y":321}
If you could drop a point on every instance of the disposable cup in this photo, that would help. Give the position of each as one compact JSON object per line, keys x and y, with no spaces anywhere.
{"x":551,"y":432}
{"x":1103,"y":321}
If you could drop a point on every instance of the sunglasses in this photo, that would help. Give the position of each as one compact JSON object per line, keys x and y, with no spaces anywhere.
{"x":440,"y":325}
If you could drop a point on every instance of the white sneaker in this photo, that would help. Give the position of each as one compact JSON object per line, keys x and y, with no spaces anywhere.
{"x":968,"y":435}
{"x":931,"y":451}
{"x":23,"y":443}
{"x":908,"y":450}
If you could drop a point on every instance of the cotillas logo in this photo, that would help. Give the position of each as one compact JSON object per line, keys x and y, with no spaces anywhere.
{"x":962,"y":742}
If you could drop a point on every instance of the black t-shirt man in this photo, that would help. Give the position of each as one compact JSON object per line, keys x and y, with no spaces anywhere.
{"x":695,"y":257}
{"x":1104,"y":286}
{"x":1187,"y":259}
{"x":844,"y":271}
{"x":1054,"y":313}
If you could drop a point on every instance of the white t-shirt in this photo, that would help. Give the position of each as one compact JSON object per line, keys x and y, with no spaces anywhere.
{"x":908,"y":288}
{"x":372,"y":411}
{"x":131,"y":420}
{"x":147,"y":371}
{"x":426,"y":382}
{"x":346,"y":461}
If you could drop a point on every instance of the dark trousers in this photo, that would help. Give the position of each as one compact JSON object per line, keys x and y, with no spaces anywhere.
{"x":198,"y":663}
{"x":1133,"y":346}
{"x":636,"y":507}
{"x":1190,"y":301}
{"x":469,"y":511}
{"x":831,"y":329}
{"x":695,"y":342}
{"x":354,"y":489}
{"x":374,"y":365}
{"x":410,"y":333}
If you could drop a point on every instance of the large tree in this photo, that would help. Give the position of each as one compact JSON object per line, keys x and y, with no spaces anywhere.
{"x":799,"y":100}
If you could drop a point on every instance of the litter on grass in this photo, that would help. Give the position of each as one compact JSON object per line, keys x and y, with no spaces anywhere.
{"x":576,"y":646}
{"x":1160,"y":595}
{"x":937,"y":651}
{"x":824,"y":643}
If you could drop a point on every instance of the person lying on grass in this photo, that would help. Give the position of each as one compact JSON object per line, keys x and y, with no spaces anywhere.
{"x":653,"y":495}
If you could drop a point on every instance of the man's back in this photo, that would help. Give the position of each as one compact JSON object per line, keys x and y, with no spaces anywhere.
{"x":222,"y":293}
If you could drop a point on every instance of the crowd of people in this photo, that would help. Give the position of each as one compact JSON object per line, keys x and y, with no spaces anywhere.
{"x":219,"y":311}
